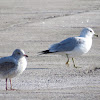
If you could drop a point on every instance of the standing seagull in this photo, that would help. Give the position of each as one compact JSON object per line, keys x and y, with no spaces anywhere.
{"x":13,"y":65}
{"x":73,"y":46}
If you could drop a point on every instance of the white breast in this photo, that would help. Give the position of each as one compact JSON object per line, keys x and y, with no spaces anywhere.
{"x":21,"y":65}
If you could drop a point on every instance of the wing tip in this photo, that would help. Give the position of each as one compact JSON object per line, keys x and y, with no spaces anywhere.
{"x":45,"y":52}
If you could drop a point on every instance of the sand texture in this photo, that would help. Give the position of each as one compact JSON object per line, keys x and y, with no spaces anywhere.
{"x":33,"y":25}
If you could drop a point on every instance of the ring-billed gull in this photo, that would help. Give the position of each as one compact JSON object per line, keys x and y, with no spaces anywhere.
{"x":13,"y":65}
{"x":73,"y":46}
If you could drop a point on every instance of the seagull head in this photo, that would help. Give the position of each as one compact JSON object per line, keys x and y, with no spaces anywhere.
{"x":18,"y":53}
{"x":88,"y":32}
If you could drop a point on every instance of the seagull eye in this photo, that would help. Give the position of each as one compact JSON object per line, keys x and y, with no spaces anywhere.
{"x":18,"y":53}
{"x":90,"y":31}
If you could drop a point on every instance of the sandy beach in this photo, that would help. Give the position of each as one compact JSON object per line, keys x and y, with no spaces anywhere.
{"x":33,"y":25}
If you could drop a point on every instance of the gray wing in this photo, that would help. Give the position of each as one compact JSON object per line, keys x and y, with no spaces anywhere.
{"x":6,"y":66}
{"x":66,"y":45}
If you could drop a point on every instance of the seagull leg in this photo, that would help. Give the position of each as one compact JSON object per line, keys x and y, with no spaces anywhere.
{"x":11,"y":85}
{"x":6,"y":85}
{"x":67,"y":63}
{"x":74,"y":63}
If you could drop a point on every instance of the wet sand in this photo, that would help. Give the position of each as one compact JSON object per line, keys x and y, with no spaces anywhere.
{"x":33,"y":25}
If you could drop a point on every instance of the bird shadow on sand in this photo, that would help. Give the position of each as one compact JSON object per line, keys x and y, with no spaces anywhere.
{"x":36,"y":68}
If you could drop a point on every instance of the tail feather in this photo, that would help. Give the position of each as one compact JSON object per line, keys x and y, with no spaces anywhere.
{"x":46,"y":52}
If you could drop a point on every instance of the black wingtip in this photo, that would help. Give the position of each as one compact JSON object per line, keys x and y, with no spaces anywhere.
{"x":45,"y":52}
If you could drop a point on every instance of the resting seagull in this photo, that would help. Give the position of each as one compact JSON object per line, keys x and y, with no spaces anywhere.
{"x":12,"y":66}
{"x":73,"y":46}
